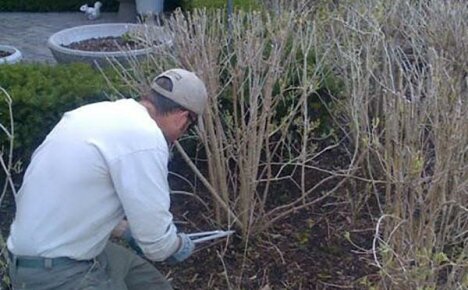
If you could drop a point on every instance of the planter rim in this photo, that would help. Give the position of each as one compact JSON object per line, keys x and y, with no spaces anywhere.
{"x":55,"y":43}
{"x":12,"y":58}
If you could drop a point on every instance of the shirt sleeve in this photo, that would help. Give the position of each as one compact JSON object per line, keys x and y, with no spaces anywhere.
{"x":140,"y":180}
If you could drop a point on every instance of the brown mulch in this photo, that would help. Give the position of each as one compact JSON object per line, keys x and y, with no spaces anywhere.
{"x":307,"y":250}
{"x":105,"y":44}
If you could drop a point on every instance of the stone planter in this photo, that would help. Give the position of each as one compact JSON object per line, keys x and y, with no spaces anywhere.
{"x":67,"y":36}
{"x":14,"y":57}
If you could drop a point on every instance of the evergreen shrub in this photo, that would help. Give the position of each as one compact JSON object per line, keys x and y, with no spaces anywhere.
{"x":40,"y":95}
{"x":53,"y":5}
{"x":220,"y":4}
{"x":319,"y":103}
{"x":113,"y":5}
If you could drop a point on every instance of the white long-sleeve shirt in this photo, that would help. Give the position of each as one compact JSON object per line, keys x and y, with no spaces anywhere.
{"x":100,"y":163}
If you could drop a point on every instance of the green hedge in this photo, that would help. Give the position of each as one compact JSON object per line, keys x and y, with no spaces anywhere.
{"x":41,"y":94}
{"x":53,"y":5}
{"x":112,"y":5}
{"x":222,"y":4}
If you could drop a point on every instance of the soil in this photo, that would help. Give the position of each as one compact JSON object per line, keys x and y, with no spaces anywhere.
{"x":306,"y":250}
{"x":4,"y":53}
{"x":105,"y":44}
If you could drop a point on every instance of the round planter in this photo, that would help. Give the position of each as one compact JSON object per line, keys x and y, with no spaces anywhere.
{"x":78,"y":33}
{"x":14,"y":57}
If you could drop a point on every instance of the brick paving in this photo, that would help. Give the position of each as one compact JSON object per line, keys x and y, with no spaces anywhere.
{"x":29,"y":32}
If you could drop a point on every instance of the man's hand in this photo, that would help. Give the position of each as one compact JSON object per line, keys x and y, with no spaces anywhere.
{"x":186,"y":248}
{"x":120,"y":229}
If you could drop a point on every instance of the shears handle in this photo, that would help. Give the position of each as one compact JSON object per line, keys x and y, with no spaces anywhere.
{"x":208,"y":236}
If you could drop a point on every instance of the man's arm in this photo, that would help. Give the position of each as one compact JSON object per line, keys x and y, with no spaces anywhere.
{"x":140,"y":180}
{"x":184,"y":250}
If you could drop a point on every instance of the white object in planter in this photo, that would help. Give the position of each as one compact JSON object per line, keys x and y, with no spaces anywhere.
{"x":145,"y":7}
{"x":92,"y":13}
{"x":14,"y":57}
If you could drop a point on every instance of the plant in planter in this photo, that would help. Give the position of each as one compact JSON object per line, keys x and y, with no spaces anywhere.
{"x":9,"y":54}
{"x":96,"y":44}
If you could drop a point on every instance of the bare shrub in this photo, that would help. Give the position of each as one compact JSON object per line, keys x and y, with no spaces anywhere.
{"x":254,"y":68}
{"x":405,"y":68}
{"x":6,"y":162}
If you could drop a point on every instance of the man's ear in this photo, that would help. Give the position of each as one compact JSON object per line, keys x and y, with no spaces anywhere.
{"x":184,"y":113}
{"x":181,"y":117}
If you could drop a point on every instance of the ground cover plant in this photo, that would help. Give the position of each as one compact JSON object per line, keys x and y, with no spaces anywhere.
{"x":335,"y":144}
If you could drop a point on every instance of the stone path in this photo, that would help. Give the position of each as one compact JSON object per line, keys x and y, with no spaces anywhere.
{"x":29,"y":32}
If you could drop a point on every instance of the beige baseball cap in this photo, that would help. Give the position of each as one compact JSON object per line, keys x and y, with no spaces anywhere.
{"x":187,"y":89}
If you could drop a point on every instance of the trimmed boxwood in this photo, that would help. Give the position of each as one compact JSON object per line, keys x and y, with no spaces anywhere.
{"x":41,"y":93}
{"x":240,"y":4}
{"x":222,"y":4}
{"x":113,"y":5}
{"x":53,"y":5}
{"x":74,"y":5}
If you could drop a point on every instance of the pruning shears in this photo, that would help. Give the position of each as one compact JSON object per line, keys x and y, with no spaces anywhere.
{"x":208,"y":236}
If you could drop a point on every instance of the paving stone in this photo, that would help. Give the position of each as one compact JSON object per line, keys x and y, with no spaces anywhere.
{"x":29,"y":32}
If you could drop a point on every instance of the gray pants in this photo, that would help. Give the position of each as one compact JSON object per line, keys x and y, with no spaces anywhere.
{"x":116,"y":268}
